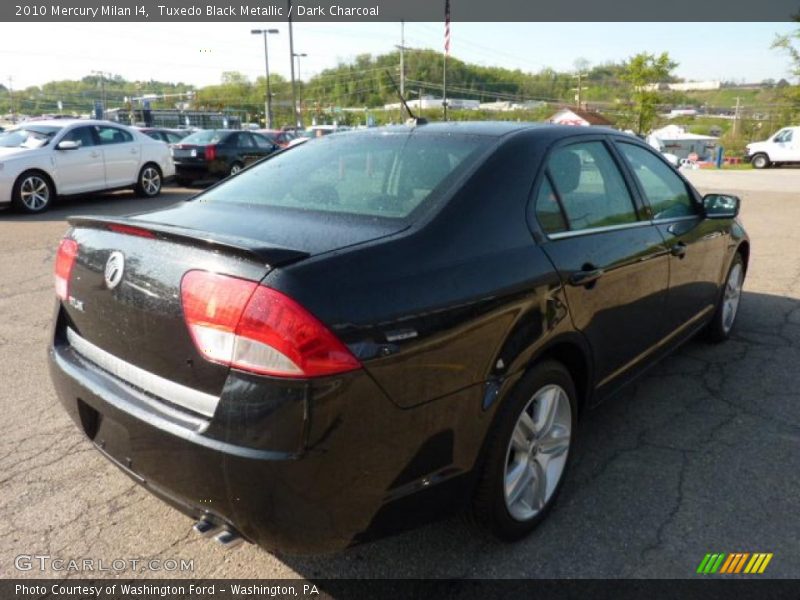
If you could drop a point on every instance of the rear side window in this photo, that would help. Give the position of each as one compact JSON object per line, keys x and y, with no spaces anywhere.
{"x":263,"y":142}
{"x":387,"y":175}
{"x":548,"y":210}
{"x":590,"y":186}
{"x":664,"y":189}
{"x":242,"y":140}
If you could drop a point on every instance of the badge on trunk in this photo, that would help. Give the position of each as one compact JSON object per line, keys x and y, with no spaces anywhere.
{"x":114,"y":268}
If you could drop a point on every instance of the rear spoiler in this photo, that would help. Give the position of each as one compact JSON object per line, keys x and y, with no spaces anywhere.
{"x":272,"y":256}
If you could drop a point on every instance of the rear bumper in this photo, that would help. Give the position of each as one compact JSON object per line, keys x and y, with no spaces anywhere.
{"x":363,"y":468}
{"x":204,"y":170}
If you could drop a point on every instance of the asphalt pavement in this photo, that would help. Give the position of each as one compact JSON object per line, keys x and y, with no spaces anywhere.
{"x":700,"y":455}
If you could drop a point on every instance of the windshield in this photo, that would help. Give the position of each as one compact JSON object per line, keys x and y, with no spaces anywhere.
{"x":386,"y":175}
{"x":201,"y":138}
{"x":29,"y":136}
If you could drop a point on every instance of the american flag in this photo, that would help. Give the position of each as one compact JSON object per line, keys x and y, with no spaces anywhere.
{"x":447,"y":27}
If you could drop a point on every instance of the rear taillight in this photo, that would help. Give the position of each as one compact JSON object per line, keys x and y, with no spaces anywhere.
{"x":65,"y":260}
{"x":211,"y":152}
{"x":255,"y":328}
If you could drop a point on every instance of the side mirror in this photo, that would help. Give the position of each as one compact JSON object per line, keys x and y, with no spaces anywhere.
{"x":68,"y":145}
{"x":721,"y":206}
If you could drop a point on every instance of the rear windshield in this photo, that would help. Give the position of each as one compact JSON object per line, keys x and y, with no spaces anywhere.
{"x":201,"y":138}
{"x":388,"y":175}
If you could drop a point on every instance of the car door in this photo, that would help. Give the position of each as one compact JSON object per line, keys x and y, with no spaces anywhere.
{"x":609,"y":256}
{"x":80,"y":169}
{"x":264,"y":146}
{"x":696,"y":244}
{"x":121,"y":154}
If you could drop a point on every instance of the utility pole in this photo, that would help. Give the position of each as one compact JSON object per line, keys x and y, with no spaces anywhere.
{"x":579,"y":89}
{"x":11,"y":98}
{"x":268,"y":99}
{"x":102,"y":90}
{"x":298,"y":56}
{"x":297,"y":118}
{"x":736,"y":117}
{"x":402,"y":62}
{"x":402,"y":48}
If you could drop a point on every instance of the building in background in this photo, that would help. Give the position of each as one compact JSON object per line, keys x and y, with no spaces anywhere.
{"x":576,"y":116}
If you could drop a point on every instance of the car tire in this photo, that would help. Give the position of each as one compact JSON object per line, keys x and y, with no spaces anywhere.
{"x":235,"y":168}
{"x":148,"y":184}
{"x":527,"y":457}
{"x":33,"y":192}
{"x":760,"y":161}
{"x":724,"y":317}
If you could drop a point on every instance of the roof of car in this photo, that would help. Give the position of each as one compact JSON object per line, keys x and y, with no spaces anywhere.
{"x":67,"y":122}
{"x":485,"y":128}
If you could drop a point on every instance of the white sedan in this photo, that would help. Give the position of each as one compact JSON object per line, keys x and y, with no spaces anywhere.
{"x":42,"y":159}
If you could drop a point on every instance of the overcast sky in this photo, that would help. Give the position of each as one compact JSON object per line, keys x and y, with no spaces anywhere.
{"x":197,"y":53}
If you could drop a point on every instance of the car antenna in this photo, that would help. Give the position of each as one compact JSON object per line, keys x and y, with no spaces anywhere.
{"x":413,"y":120}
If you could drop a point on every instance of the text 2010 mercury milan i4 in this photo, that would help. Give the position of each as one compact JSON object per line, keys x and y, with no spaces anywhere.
{"x":370,"y":329}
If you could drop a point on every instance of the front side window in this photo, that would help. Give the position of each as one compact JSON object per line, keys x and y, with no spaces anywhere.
{"x":82,"y":135}
{"x":590,"y":187}
{"x":386,"y":175}
{"x":664,"y":189}
{"x":112,"y":135}
{"x":784,"y":136}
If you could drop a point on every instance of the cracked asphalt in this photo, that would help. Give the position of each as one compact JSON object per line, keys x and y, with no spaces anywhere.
{"x":700,"y":455}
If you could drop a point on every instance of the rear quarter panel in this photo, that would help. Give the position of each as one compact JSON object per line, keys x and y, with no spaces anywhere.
{"x":429,"y":311}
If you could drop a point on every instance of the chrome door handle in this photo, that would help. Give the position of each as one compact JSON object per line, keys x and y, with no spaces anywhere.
{"x":134,"y":151}
{"x":94,"y":154}
{"x":585,"y":277}
{"x":678,"y":250}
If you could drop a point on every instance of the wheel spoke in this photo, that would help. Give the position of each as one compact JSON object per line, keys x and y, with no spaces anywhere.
{"x":517,"y":480}
{"x":555,"y":444}
{"x":538,"y":491}
{"x":545,"y":410}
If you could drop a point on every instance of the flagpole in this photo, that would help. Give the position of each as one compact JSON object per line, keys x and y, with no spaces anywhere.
{"x":446,"y":52}
{"x":444,"y":87}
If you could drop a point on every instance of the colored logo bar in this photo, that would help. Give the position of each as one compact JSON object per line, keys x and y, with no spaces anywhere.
{"x":734,"y":563}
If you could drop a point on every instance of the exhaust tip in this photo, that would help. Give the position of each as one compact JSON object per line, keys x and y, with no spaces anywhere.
{"x":205,"y":527}
{"x":228,"y":539}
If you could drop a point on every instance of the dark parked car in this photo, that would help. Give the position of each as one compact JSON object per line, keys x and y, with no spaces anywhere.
{"x":218,"y":153}
{"x":168,"y":136}
{"x":373,"y":329}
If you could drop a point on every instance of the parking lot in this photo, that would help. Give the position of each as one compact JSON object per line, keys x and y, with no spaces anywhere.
{"x":701,"y":455}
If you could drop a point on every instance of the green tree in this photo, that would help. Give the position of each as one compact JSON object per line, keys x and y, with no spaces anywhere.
{"x":790,"y":45}
{"x":641,"y":75}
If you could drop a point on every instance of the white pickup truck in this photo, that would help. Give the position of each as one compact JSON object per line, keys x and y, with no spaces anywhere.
{"x":781,"y":148}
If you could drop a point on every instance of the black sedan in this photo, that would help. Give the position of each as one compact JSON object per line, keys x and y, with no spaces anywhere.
{"x":379,"y":327}
{"x":218,"y":153}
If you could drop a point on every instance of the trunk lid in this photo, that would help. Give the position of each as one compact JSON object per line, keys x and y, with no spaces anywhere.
{"x":139,"y":319}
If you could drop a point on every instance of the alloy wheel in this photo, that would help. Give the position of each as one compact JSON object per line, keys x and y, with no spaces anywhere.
{"x":235,"y":169}
{"x":34,"y":192}
{"x":732,"y":295}
{"x":151,"y":181}
{"x":537,"y":452}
